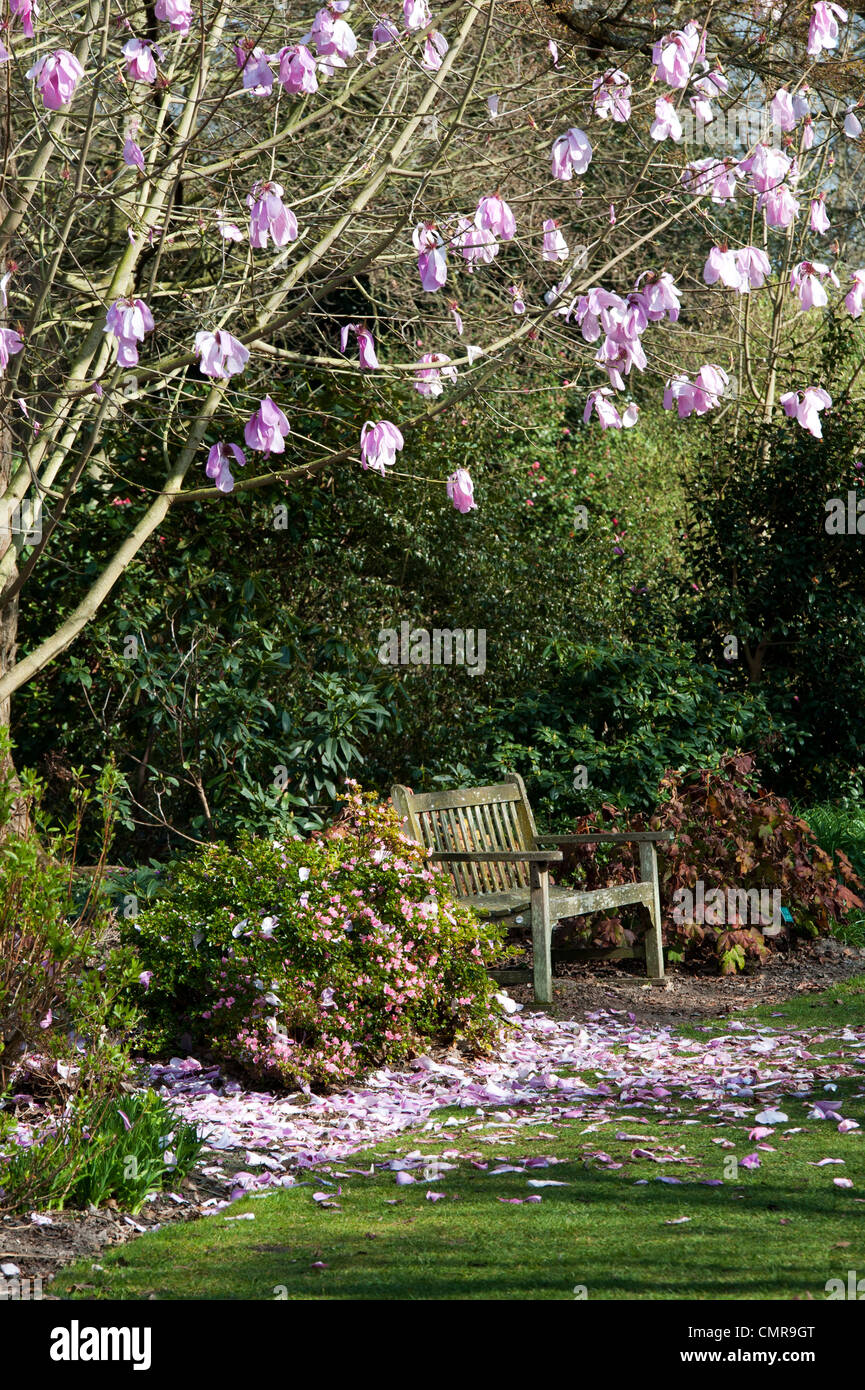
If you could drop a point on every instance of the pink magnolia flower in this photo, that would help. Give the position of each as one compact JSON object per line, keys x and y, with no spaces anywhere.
{"x":823,"y":30}
{"x":428,"y":381}
{"x":379,"y":442}
{"x":416,"y":14}
{"x":128,"y":320}
{"x":219,"y":354}
{"x":805,"y":407}
{"x":666,"y":124}
{"x":599,"y":401}
{"x":269,"y":216}
{"x":783,"y":114}
{"x":57,"y":75}
{"x":852,"y":124}
{"x":267,"y":428}
{"x":218,"y":465}
{"x":145,"y":977}
{"x":25,"y":10}
{"x":140,"y":60}
{"x":572,"y":154}
{"x":432,"y":261}
{"x":461,"y":491}
{"x":297,"y":69}
{"x":456,"y":316}
{"x":519,"y":303}
{"x":229,"y":231}
{"x":365,"y":344}
{"x":385,"y":31}
{"x":333,"y":37}
{"x":819,"y":219}
{"x":781,"y":207}
{"x":710,"y":175}
{"x":675,"y":55}
{"x":257,"y":72}
{"x":478,"y":245}
{"x":702,"y":108}
{"x":10,"y":343}
{"x":555,"y":246}
{"x":696,"y":397}
{"x":722,"y":265}
{"x":855,"y":298}
{"x":661,"y":296}
{"x":750,"y":1161}
{"x":494,"y":215}
{"x":133,"y":155}
{"x":806,"y":280}
{"x":553,"y":50}
{"x":808,"y":134}
{"x":611,"y":95}
{"x":767,"y":166}
{"x":753,"y":266}
{"x":434,"y":49}
{"x":177,"y":13}
{"x":617,"y":355}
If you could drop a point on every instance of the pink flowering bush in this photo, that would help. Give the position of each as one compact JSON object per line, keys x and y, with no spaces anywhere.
{"x":311,"y":961}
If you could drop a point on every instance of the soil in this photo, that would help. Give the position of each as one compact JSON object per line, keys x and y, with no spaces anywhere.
{"x":41,"y":1250}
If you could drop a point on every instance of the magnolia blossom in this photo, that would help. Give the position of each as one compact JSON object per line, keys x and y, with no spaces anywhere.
{"x":267,"y":428}
{"x":140,"y":61}
{"x":297,"y":69}
{"x":229,"y":231}
{"x":519,"y":303}
{"x":721,"y":265}
{"x":57,"y":75}
{"x":753,"y":266}
{"x":710,"y":175}
{"x":416,"y":14}
{"x":808,"y":134}
{"x":365,"y":344}
{"x":819,"y":219}
{"x":456,"y":316}
{"x":494,"y":215}
{"x":333,"y":37}
{"x":428,"y":381}
{"x":823,"y":30}
{"x":218,"y":464}
{"x":666,"y":124}
{"x":661,"y":296}
{"x":461,"y":491}
{"x":128,"y":320}
{"x":617,"y":355}
{"x":781,"y":207}
{"x":854,"y":300}
{"x":133,"y":155}
{"x":702,"y":108}
{"x":699,"y":396}
{"x":379,"y":442}
{"x":805,"y":407}
{"x":257,"y":72}
{"x":555,"y":246}
{"x":25,"y":10}
{"x":572,"y":154}
{"x":478,"y":245}
{"x":10,"y":343}
{"x":852,"y":124}
{"x":611,"y":95}
{"x":219,"y":354}
{"x":431,"y":261}
{"x":269,"y":216}
{"x":675,"y":55}
{"x":385,"y":31}
{"x":783,"y":114}
{"x":768,"y":167}
{"x":599,"y":401}
{"x":178,"y":13}
{"x":434,"y":49}
{"x":806,"y":280}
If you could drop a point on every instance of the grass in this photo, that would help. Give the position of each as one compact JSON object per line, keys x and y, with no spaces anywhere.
{"x":778,"y":1232}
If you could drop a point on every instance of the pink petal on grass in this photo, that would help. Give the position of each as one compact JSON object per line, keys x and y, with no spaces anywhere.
{"x":677,"y":1221}
{"x":435,"y":1196}
{"x":843,"y":1182}
{"x":403,"y":1179}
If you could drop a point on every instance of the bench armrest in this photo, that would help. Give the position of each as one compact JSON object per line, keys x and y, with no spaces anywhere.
{"x":519,"y":856}
{"x":639,"y":837}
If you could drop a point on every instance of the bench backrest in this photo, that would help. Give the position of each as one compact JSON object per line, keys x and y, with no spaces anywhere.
{"x":473,"y":819}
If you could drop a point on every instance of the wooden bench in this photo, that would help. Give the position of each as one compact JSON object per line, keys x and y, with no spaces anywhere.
{"x":501,"y":868}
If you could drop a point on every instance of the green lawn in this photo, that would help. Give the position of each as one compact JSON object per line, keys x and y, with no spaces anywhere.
{"x":777,"y":1232}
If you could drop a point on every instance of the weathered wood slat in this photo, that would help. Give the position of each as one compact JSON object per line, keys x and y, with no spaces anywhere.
{"x":470,"y":796}
{"x":500,"y":856}
{"x":566,"y":953}
{"x":511,"y":977}
{"x":638,"y":837}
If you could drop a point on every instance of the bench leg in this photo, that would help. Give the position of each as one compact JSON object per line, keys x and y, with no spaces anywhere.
{"x":654,"y":948}
{"x":542,"y":966}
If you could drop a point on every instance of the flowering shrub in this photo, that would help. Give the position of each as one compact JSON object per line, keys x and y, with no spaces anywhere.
{"x":730,"y":835}
{"x":308,"y":961}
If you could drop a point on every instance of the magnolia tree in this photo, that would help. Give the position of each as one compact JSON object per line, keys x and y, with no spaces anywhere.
{"x":210,"y":214}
